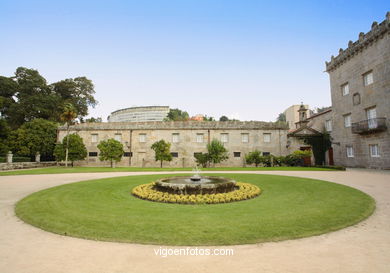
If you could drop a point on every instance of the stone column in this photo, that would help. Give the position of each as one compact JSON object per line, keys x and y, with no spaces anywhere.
{"x":37,"y":157}
{"x":9,"y":157}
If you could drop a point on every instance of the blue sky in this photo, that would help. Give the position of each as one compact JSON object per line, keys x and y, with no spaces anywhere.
{"x":243,"y":59}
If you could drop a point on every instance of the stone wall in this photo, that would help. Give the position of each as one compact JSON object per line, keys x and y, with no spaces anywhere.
{"x":25,"y":165}
{"x":370,"y":53}
{"x":143,"y":155}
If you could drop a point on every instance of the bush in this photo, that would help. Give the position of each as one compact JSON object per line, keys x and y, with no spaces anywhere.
{"x":244,"y":191}
{"x":16,"y":159}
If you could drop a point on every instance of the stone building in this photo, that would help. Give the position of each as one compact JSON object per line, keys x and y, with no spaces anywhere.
{"x":139,"y":114}
{"x":316,"y":125}
{"x":186,"y":138}
{"x":292,"y":115}
{"x":360,"y":90}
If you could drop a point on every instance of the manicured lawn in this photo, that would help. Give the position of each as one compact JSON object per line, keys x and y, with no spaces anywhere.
{"x":104,"y":209}
{"x":55,"y":170}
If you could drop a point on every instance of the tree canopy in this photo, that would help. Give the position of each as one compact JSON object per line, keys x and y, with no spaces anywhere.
{"x":254,"y":157}
{"x":77,"y":149}
{"x":216,"y":151}
{"x":111,"y":150}
{"x":177,"y":115}
{"x":38,"y":135}
{"x":281,"y":117}
{"x":27,"y":96}
{"x":162,"y":151}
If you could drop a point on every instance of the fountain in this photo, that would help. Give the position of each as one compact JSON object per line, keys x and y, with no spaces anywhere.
{"x":195,"y":184}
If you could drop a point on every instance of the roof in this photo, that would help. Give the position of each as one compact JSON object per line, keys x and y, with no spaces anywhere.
{"x":176,"y":125}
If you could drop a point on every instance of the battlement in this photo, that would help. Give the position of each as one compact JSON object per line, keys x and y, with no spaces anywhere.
{"x":377,"y":32}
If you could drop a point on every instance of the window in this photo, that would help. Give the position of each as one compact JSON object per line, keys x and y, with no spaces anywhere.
{"x":197,"y":154}
{"x":94,"y":138}
{"x":345,"y":89}
{"x":92,"y":154}
{"x":371,"y":118}
{"x":368,"y":78}
{"x":349,"y":151}
{"x":118,"y":137}
{"x":199,"y":138}
{"x":347,"y":120}
{"x":266,"y":153}
{"x":328,"y":125}
{"x":237,"y":154}
{"x":142,"y":137}
{"x":128,"y":154}
{"x":175,"y":137}
{"x":267,"y":137}
{"x":245,"y":138}
{"x":224,"y":137}
{"x":374,"y":150}
{"x":174,"y":154}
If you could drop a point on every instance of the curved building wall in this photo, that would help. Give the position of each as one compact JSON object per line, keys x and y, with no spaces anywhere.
{"x":139,"y":114}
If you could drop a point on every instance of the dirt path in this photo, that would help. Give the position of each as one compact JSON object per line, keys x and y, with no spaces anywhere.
{"x":364,"y":247}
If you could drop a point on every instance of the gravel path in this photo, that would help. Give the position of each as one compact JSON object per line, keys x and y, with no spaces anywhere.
{"x":364,"y":247}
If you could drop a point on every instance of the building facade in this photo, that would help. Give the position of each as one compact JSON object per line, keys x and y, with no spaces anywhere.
{"x":292,"y":115}
{"x":360,"y":90}
{"x":187,"y":138}
{"x":139,"y":114}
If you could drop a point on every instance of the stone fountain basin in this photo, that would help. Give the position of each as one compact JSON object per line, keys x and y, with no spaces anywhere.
{"x":207,"y":184}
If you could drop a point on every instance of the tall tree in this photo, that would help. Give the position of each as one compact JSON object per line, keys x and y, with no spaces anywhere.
{"x":77,"y":149}
{"x":217,"y":152}
{"x":78,"y":91}
{"x":111,"y":150}
{"x":162,"y":151}
{"x":68,"y":116}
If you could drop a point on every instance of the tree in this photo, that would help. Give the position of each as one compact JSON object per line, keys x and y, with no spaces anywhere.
{"x":78,"y":91}
{"x":28,"y":96}
{"x":217,"y":152}
{"x":111,"y":150}
{"x":254,"y":157}
{"x":281,"y":117}
{"x":224,"y":118}
{"x":177,"y":115}
{"x":162,"y":151}
{"x":38,"y":135}
{"x":5,"y":131}
{"x":68,"y":115}
{"x":77,"y":150}
{"x":206,"y":118}
{"x":202,"y":159}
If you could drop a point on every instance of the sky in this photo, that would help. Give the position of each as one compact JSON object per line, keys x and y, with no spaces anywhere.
{"x":245,"y":59}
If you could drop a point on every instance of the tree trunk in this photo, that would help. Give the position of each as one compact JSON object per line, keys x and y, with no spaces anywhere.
{"x":67,"y":145}
{"x":161,"y":163}
{"x":111,"y":164}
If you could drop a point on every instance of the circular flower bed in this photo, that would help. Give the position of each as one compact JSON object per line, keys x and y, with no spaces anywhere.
{"x":244,"y":191}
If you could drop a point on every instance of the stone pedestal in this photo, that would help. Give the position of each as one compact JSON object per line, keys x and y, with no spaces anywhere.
{"x":37,"y":157}
{"x":9,"y":157}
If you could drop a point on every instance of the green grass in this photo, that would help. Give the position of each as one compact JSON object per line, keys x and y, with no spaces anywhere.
{"x":56,"y":170}
{"x":104,"y":209}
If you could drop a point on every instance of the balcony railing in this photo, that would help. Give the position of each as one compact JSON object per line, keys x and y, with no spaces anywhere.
{"x":369,"y":126}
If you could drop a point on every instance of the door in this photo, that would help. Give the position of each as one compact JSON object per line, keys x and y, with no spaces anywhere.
{"x":371,"y":118}
{"x":330,"y":154}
